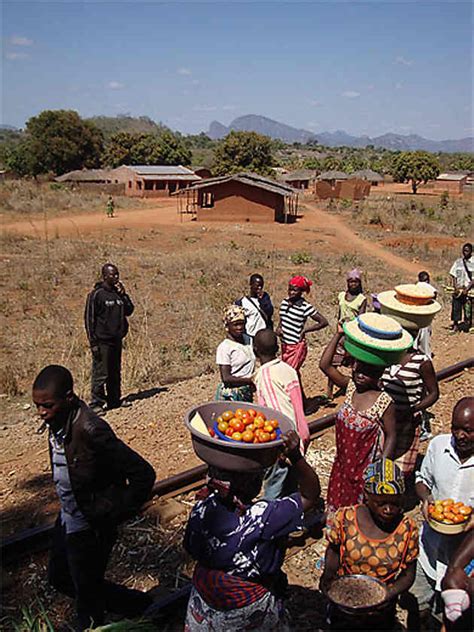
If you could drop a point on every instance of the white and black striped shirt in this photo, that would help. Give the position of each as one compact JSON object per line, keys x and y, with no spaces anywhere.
{"x":293,"y":317}
{"x":403,"y":382}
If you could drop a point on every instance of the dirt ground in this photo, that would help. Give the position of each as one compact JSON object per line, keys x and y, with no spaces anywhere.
{"x":154,"y":424}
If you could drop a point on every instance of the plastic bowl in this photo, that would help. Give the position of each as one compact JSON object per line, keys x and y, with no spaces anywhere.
{"x":233,"y":455}
{"x":371,"y":355}
{"x":447,"y":529}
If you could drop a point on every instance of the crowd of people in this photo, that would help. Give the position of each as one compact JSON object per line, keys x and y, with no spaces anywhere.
{"x":238,"y":529}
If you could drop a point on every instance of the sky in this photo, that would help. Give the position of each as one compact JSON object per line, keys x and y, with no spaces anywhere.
{"x":363,"y":67}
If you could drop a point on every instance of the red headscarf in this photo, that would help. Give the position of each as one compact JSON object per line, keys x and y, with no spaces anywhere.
{"x":301,"y":282}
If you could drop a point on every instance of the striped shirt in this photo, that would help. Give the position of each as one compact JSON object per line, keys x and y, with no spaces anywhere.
{"x":404,"y":383}
{"x":293,"y":317}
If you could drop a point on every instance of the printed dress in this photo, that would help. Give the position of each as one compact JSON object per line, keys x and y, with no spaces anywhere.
{"x":239,"y":554}
{"x":359,"y":441}
{"x":382,"y":558}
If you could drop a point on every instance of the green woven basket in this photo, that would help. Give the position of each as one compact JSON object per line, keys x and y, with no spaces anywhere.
{"x":373,"y":353}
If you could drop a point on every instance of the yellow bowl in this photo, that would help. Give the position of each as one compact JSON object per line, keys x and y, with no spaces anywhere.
{"x":447,"y":529}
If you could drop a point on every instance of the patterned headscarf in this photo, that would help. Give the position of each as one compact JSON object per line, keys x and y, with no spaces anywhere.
{"x":232,"y":314}
{"x":301,"y":282}
{"x":354,"y":274}
{"x":384,"y":477}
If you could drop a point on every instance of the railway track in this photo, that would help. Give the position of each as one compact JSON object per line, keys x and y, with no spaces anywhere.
{"x":37,"y":539}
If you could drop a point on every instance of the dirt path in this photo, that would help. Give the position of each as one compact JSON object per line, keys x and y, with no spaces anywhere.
{"x":345,"y":236}
{"x":328,"y":227}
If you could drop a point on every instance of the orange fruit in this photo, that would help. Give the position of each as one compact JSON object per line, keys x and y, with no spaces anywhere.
{"x":219,"y":420}
{"x":273,"y":436}
{"x":237,"y":424}
{"x":264,"y":437}
{"x":251,"y":412}
{"x":261,"y":416}
{"x":258,"y":422}
{"x":465,"y":510}
{"x":237,"y":436}
{"x":274,"y":423}
{"x":222,"y":426}
{"x":227,"y":415}
{"x":248,"y":436}
{"x":447,"y":501}
{"x":268,"y":428}
{"x":239,"y":412}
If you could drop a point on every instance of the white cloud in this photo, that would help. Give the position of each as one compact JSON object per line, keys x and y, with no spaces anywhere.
{"x":403,"y":61}
{"x":18,"y":40}
{"x":184,"y":71}
{"x":204,"y":108}
{"x":115,"y":85}
{"x":351,"y":94}
{"x":14,"y":56}
{"x":315,"y":103}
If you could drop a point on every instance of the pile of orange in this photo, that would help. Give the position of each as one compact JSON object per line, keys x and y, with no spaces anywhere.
{"x":247,"y":426}
{"x":449,"y":512}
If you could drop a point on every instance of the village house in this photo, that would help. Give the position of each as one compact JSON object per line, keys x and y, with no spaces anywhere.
{"x":373,"y":177}
{"x":148,"y":181}
{"x":300,"y":179}
{"x":242,"y":197}
{"x":453,"y":183}
{"x":337,"y":185}
{"x":86,"y":176}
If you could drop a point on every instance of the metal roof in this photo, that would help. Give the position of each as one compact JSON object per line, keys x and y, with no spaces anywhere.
{"x":251,"y":179}
{"x":451,"y":176}
{"x":160,"y":170}
{"x":300,"y":174}
{"x":171,"y":176}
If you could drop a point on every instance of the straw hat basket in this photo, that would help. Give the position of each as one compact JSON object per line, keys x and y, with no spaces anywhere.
{"x":411,"y":305}
{"x":376,"y":339}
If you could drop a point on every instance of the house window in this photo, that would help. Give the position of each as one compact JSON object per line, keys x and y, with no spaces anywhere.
{"x":207,"y":199}
{"x":129,"y":184}
{"x":148,"y":185}
{"x":139,"y":185}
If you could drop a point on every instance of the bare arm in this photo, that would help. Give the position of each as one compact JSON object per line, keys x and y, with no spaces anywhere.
{"x":363,"y":307}
{"x":331,"y":566}
{"x":431,"y":394}
{"x":310,"y":488}
{"x":424,"y":494}
{"x":230,"y":380}
{"x":325,"y":364}
{"x":390,"y":432}
{"x":403,"y":582}
{"x":320,"y":323}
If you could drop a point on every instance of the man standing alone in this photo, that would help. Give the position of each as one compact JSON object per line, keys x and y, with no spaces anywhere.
{"x":107,"y":308}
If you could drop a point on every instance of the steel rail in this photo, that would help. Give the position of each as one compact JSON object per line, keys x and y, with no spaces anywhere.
{"x":38,"y":538}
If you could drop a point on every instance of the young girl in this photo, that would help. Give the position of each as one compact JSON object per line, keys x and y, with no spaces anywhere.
{"x":365,"y":427}
{"x":351,"y":302}
{"x":236,"y":359}
{"x":375,"y":539}
{"x":292,"y":328}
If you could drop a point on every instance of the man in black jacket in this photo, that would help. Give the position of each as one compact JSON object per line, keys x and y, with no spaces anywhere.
{"x":107,"y":308}
{"x":100,"y":483}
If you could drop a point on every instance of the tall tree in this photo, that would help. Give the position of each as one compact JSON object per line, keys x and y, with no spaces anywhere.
{"x":146,"y":149}
{"x":415,"y":167}
{"x":243,"y":151}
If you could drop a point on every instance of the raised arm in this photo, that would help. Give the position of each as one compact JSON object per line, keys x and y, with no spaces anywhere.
{"x":325,"y":364}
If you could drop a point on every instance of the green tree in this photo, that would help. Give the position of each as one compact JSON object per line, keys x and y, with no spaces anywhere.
{"x":331,"y":163}
{"x":57,"y":141}
{"x":243,"y":151}
{"x":415,"y":167}
{"x":125,"y":148}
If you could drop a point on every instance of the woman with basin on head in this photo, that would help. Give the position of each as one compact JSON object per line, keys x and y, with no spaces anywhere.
{"x":411,"y":382}
{"x":365,"y":423}
{"x":373,"y":538}
{"x":239,"y":546}
{"x":236,"y":359}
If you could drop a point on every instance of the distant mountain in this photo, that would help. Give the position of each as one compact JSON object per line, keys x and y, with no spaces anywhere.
{"x":288,"y":134}
{"x":124,"y":123}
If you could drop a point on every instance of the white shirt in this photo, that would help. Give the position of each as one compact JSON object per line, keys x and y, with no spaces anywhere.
{"x":458,"y":271}
{"x":240,"y":357}
{"x":254,"y":321}
{"x":446,"y":477}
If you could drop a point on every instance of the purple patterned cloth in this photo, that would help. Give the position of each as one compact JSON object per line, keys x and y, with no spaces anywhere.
{"x":247,"y":545}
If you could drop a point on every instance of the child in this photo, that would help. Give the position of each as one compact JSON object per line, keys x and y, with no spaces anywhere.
{"x":375,"y":539}
{"x":258,"y":307}
{"x":110,"y":206}
{"x":352,"y":302}
{"x":292,"y":329}
{"x":278,"y":387}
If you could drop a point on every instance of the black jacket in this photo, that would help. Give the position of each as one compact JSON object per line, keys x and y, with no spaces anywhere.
{"x":110,"y":481}
{"x":106,"y":314}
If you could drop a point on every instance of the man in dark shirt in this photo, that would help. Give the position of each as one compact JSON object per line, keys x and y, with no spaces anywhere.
{"x":100,"y":482}
{"x":107,"y":308}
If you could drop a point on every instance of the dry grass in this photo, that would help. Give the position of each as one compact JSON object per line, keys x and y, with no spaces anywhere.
{"x":27,"y":198}
{"x":179,"y":298}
